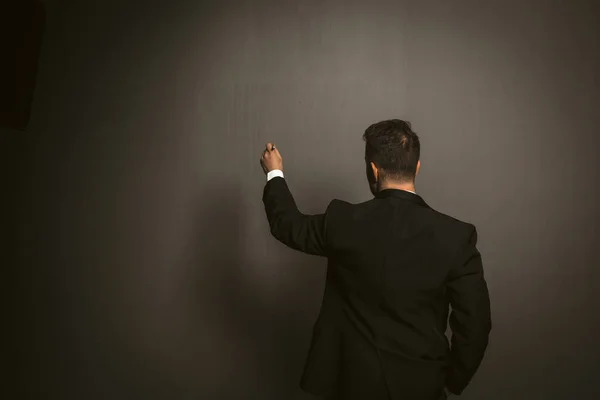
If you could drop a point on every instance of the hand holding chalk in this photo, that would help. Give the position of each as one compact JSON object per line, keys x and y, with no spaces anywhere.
{"x":271,"y":159}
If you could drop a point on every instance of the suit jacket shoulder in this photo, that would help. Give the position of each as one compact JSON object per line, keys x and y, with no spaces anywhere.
{"x":338,"y":206}
{"x":452,"y":233}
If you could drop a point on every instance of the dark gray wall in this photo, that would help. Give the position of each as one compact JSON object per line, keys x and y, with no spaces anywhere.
{"x":147,"y":268}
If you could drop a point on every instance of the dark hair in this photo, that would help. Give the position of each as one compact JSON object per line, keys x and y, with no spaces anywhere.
{"x":394,"y":148}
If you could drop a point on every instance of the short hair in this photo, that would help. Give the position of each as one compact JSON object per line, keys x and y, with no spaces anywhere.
{"x":394,"y":148}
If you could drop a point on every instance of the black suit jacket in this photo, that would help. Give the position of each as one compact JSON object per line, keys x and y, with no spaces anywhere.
{"x":395,"y":266}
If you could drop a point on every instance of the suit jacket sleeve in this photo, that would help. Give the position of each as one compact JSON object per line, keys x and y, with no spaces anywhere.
{"x":306,"y":233}
{"x":470,"y":319}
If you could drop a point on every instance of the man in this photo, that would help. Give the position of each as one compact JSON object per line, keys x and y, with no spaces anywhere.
{"x":395,"y":267}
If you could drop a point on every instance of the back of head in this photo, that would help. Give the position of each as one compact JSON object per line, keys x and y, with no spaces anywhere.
{"x":394,"y":149}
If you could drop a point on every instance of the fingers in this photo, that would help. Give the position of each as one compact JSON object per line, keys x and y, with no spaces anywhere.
{"x":270,"y":149}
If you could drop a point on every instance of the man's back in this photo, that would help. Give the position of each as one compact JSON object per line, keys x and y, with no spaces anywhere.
{"x":393,"y":267}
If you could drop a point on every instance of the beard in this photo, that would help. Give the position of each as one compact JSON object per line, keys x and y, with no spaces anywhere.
{"x":373,"y":184}
{"x":374,"y":187}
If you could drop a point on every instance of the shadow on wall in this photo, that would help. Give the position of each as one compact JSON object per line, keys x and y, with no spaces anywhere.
{"x":249,"y":341}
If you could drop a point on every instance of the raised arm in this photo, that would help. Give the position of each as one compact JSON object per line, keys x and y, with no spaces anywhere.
{"x":306,"y":233}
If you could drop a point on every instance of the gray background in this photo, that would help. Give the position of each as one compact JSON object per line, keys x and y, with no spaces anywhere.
{"x":145,"y":268}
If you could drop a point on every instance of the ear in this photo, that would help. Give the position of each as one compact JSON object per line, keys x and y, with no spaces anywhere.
{"x":418,"y":167}
{"x":375,"y":171}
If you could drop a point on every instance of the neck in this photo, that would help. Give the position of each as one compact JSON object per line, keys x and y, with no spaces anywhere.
{"x":410,"y":186}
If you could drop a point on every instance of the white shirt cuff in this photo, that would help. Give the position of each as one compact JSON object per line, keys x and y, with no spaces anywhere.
{"x":274,"y":173}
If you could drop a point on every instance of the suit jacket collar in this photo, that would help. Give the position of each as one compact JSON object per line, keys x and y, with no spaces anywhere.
{"x":402,"y":194}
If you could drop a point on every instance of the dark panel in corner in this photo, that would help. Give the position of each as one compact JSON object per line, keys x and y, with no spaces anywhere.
{"x":21,"y":28}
